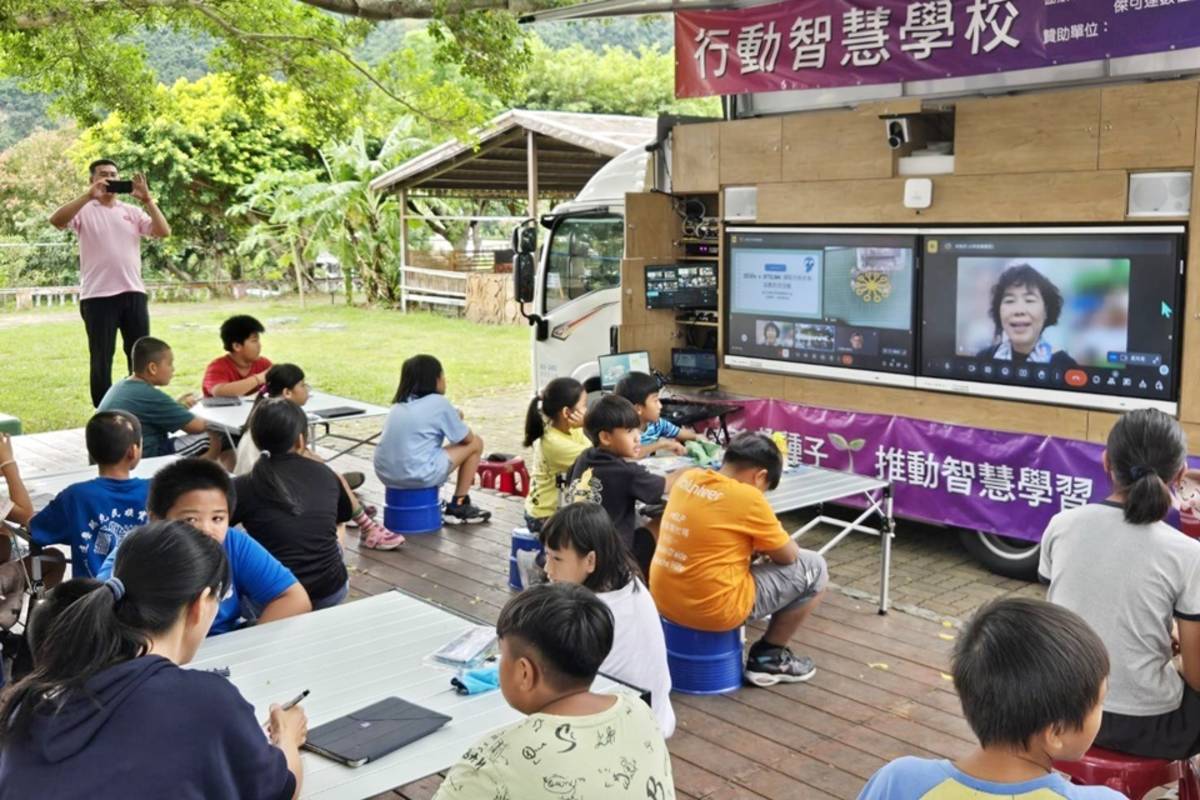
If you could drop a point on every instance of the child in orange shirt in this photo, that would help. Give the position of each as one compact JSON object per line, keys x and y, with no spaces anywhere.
{"x":702,"y":576}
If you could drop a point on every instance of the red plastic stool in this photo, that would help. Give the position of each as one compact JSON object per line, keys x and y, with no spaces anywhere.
{"x":1132,"y":776}
{"x":506,"y":476}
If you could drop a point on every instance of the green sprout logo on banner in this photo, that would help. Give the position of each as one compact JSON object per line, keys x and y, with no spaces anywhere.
{"x":849,"y":448}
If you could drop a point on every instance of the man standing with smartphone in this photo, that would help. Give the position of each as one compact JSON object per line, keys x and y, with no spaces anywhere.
{"x":112,"y":296}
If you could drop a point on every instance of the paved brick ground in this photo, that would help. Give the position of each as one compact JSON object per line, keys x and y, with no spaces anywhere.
{"x":931,"y":573}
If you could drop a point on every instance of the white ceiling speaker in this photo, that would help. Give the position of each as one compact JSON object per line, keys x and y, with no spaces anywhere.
{"x":1160,"y":194}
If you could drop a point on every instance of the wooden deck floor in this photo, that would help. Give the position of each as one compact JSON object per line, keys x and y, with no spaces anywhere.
{"x":881,"y":690}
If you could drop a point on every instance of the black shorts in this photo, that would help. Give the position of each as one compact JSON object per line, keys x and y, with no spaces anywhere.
{"x":1174,"y":735}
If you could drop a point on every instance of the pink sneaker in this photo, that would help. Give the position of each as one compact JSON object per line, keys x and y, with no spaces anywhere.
{"x":377,"y":537}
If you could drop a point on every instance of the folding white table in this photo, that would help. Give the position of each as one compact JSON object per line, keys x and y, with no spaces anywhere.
{"x":804,"y":487}
{"x":43,"y":488}
{"x":231,"y":419}
{"x":351,"y":656}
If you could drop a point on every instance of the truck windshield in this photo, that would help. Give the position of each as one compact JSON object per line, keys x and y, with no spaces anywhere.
{"x":585,"y":256}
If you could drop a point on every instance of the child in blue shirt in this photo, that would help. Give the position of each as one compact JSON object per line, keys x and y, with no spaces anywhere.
{"x":425,"y":440}
{"x":93,"y":517}
{"x":197,"y":491}
{"x":657,"y":433}
{"x":1031,"y":677}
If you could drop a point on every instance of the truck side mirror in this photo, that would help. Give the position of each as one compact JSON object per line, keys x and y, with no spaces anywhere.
{"x":524,"y":238}
{"x":523,"y":275}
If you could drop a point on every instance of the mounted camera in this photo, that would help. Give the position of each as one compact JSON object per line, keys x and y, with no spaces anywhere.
{"x":898,"y":130}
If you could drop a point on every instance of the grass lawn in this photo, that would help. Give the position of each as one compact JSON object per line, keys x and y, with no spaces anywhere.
{"x":353,"y":352}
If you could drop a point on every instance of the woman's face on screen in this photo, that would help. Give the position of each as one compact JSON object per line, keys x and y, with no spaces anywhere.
{"x":1023,"y":316}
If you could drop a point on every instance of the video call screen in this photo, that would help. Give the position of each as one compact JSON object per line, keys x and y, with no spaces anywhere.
{"x":833,"y":300}
{"x":1091,"y":313}
{"x":681,"y":286}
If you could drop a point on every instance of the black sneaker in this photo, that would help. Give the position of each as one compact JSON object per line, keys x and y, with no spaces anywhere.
{"x":767,"y":666}
{"x":463,"y":511}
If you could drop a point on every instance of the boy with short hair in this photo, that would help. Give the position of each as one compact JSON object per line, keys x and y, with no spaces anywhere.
{"x":574,"y":742}
{"x":605,"y":474}
{"x":93,"y":516}
{"x":198,"y":492}
{"x":1031,"y":677}
{"x":657,"y":433}
{"x":702,"y":576}
{"x":159,"y":414}
{"x":242,"y":370}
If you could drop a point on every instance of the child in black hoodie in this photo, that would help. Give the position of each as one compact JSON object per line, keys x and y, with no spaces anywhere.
{"x":605,"y":474}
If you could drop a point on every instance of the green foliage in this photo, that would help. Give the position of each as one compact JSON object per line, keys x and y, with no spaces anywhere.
{"x":655,"y":31}
{"x":35,"y":177}
{"x":617,"y":82}
{"x":200,"y":149}
{"x":303,"y":212}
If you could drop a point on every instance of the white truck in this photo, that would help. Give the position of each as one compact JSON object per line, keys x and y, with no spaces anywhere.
{"x":570,"y":290}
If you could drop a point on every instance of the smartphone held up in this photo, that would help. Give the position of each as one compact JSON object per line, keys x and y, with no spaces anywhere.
{"x":119,"y":187}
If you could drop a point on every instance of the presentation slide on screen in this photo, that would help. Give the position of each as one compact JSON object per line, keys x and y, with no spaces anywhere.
{"x":1043,"y":306}
{"x":776,"y":283}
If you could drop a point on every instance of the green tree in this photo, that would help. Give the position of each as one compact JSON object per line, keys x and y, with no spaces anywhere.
{"x":87,"y":54}
{"x":302,"y":212}
{"x":198,"y":152}
{"x":34,"y":174}
{"x":619,"y":81}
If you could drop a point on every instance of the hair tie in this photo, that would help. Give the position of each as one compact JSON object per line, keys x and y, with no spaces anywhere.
{"x":1137,"y":472}
{"x":117,"y":587}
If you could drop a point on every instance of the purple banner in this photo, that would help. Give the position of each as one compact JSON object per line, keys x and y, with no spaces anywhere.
{"x":986,"y":480}
{"x":807,"y":44}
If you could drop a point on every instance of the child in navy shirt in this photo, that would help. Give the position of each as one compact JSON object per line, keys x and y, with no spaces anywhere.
{"x":425,"y":440}
{"x":197,"y":491}
{"x":94,"y":516}
{"x":1031,"y":677}
{"x":657,"y":433}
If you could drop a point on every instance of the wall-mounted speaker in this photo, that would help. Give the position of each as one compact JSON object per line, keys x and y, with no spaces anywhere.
{"x":741,"y":203}
{"x":1160,"y":194}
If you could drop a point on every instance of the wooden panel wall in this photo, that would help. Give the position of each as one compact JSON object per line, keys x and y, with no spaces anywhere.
{"x":1048,"y":131}
{"x":1052,"y":197}
{"x":1148,"y":126}
{"x":1047,"y":157}
{"x":695,"y":158}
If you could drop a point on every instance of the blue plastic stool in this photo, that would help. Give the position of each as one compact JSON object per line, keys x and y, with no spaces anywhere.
{"x":412,"y":511}
{"x":522,"y":541}
{"x":703,"y":662}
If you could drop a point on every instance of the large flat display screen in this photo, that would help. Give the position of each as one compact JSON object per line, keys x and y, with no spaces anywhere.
{"x":1085,"y":317}
{"x":835,"y":304}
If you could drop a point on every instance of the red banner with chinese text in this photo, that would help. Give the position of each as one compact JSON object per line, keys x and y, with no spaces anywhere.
{"x":809,"y":44}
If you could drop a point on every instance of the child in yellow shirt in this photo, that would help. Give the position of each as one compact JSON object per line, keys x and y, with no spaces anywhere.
{"x":554,"y":429}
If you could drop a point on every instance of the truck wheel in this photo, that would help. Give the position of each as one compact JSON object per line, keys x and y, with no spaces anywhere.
{"x":1003,"y":555}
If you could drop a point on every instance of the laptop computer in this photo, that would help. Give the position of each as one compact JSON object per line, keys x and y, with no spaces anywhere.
{"x":615,"y":366}
{"x":691,"y":367}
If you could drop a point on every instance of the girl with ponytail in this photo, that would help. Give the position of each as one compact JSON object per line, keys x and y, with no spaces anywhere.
{"x":1130,"y":575}
{"x":287,"y":381}
{"x":554,"y":429}
{"x":292,"y":503}
{"x":108,"y":711}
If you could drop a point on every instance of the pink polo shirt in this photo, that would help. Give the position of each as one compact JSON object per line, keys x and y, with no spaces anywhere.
{"x":110,"y":248}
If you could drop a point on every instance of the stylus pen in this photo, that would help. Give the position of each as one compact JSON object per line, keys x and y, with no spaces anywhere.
{"x":291,"y":703}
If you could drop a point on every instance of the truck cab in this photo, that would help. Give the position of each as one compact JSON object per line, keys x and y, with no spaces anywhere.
{"x":576,"y":304}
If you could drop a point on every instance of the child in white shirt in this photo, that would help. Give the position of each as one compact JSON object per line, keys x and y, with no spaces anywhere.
{"x":583,"y":547}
